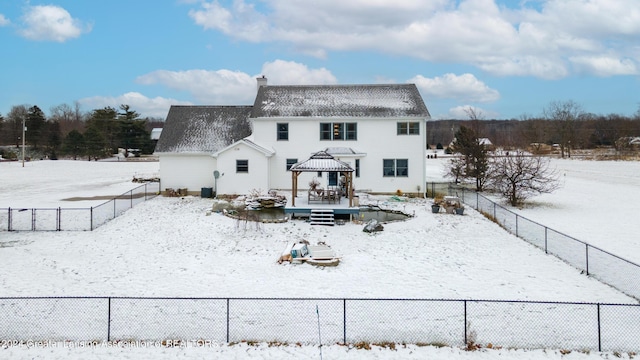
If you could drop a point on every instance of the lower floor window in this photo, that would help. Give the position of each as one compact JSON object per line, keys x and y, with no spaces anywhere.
{"x":242,"y":166}
{"x":290,"y":163}
{"x":395,"y":167}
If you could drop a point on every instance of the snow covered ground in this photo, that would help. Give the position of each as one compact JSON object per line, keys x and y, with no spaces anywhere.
{"x":169,"y":247}
{"x":598,"y":203}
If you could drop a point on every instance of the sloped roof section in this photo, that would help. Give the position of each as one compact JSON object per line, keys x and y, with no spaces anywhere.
{"x":197,"y":129}
{"x":333,"y":151}
{"x":321,"y":161}
{"x":394,"y":100}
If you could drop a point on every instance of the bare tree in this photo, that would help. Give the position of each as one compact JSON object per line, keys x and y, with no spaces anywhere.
{"x":455,"y":168}
{"x":521,"y":176}
{"x":13,"y":126}
{"x":565,"y":115}
{"x":532,"y":133}
{"x":70,"y":118}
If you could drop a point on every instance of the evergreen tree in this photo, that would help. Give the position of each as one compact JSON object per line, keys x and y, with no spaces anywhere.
{"x":474,"y":156}
{"x":74,"y":144}
{"x":133,"y":132}
{"x":105,"y":122}
{"x":96,"y":146}
{"x":54,"y":139}
{"x":36,"y":127}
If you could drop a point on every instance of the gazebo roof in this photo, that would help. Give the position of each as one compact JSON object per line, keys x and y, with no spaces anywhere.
{"x":321,"y":161}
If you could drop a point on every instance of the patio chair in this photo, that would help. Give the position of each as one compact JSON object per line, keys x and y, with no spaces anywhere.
{"x":315,"y":195}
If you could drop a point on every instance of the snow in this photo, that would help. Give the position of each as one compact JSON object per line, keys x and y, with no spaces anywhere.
{"x":597,"y":203}
{"x":170,"y":247}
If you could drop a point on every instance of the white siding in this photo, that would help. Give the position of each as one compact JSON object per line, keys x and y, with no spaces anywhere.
{"x":377,"y":138}
{"x":190,"y":171}
{"x":242,"y":183}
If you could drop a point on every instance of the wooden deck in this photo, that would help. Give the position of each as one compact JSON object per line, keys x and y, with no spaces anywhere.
{"x":304,"y":207}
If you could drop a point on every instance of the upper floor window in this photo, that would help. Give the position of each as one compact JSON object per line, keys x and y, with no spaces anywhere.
{"x":409,"y":128}
{"x":395,"y":167}
{"x":351,"y":131}
{"x":338,"y":131}
{"x":242,"y":166}
{"x":283,"y":131}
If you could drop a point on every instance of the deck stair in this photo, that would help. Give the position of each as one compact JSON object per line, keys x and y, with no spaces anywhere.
{"x":321,"y":217}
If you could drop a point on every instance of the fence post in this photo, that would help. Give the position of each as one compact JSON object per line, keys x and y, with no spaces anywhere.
{"x":599,"y":330}
{"x":145,"y":191}
{"x":227,"y":320}
{"x":59,"y":222}
{"x":546,"y":251}
{"x":91,"y":220}
{"x":131,"y":198}
{"x":465,"y":322}
{"x":9,"y":219}
{"x":109,"y":319}
{"x":517,"y":225}
{"x":586,"y":246}
{"x":33,"y":219}
{"x":477,"y":201}
{"x":344,"y":321}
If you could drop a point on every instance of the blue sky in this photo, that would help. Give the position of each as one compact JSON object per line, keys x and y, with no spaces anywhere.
{"x":504,"y":59}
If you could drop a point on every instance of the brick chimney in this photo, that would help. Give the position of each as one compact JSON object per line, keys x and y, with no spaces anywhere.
{"x":262,"y":81}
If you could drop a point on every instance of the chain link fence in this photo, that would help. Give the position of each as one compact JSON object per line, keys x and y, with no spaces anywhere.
{"x":458,"y":323}
{"x":434,"y":189}
{"x":75,"y":219}
{"x":611,"y":269}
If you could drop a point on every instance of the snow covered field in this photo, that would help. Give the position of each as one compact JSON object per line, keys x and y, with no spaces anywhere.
{"x":598,"y":203}
{"x":169,"y":247}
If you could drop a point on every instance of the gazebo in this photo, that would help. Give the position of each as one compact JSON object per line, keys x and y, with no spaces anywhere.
{"x":321,"y":161}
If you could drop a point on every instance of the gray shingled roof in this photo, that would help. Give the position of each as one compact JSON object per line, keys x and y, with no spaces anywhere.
{"x":321,"y":161}
{"x":396,"y":100}
{"x":195,"y":129}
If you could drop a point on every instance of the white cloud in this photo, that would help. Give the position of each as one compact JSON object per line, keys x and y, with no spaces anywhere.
{"x":553,"y":67}
{"x":527,"y":39}
{"x":605,"y":65}
{"x":589,"y":18}
{"x":4,"y":21}
{"x":228,"y":87}
{"x":241,"y":20}
{"x":280,"y":72}
{"x":51,"y":23}
{"x":465,"y":87}
{"x":157,"y":107}
{"x":222,"y":87}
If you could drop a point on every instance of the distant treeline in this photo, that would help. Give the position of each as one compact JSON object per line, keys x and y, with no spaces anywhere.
{"x":585,"y":133}
{"x":576,"y":131}
{"x":70,"y":132}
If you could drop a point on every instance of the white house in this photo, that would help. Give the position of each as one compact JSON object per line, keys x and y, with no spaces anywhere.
{"x":379,"y":130}
{"x":190,"y":137}
{"x":481,"y":141}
